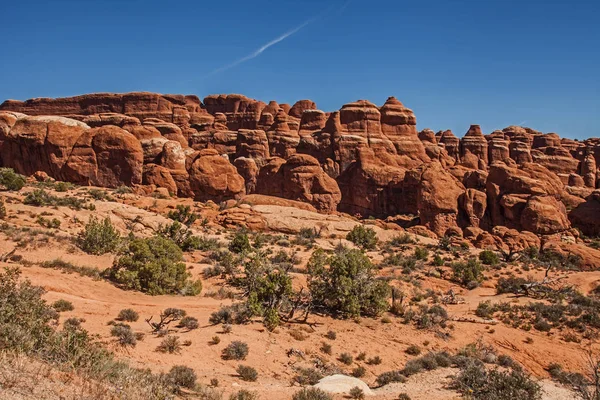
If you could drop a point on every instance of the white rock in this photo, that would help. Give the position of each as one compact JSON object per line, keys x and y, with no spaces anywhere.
{"x":342,"y":384}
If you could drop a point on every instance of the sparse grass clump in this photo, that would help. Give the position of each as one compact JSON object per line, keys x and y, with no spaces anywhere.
{"x":346,"y":358}
{"x":182,"y":376}
{"x":68,"y":267}
{"x":308,"y":376}
{"x":400,"y":240}
{"x":188,"y":323}
{"x":155,"y":266}
{"x":365,"y":238}
{"x":244,"y":395}
{"x":128,"y":315}
{"x":413,"y":350}
{"x":40,"y":198}
{"x":359,"y":372}
{"x":311,"y":394}
{"x":479,"y":384}
{"x":170,"y":344}
{"x":236,"y":350}
{"x":326,"y":348}
{"x":99,"y":237}
{"x":247,"y":373}
{"x":125,"y":336}
{"x":53,"y":223}
{"x":62,"y":305}
{"x":356,"y":393}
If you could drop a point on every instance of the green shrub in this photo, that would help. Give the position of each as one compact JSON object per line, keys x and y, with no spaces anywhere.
{"x":11,"y":180}
{"x":234,"y":314}
{"x":311,"y":394}
{"x":128,"y":315}
{"x":99,"y":237}
{"x":510,"y":285}
{"x":469,"y":274}
{"x":438,"y":261}
{"x":39,"y":198}
{"x":247,"y":373}
{"x":155,"y":266}
{"x":170,"y":344}
{"x":479,"y":384}
{"x":236,"y":350}
{"x":421,"y":253}
{"x":62,"y":305}
{"x":485,"y":309}
{"x":348,"y":288}
{"x":182,"y":376}
{"x":240,"y":243}
{"x":331,"y":335}
{"x":488,"y":257}
{"x":181,"y":236}
{"x":183,"y":214}
{"x":365,"y":238}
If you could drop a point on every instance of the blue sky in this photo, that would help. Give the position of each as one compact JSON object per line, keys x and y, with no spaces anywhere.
{"x":454,"y":62}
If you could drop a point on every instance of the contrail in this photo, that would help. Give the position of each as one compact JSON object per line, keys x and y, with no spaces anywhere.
{"x":273,"y":42}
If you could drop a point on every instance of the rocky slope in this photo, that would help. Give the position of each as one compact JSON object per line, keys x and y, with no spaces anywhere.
{"x":363,"y":159}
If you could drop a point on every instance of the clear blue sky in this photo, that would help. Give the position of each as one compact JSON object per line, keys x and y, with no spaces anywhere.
{"x":454,"y":62}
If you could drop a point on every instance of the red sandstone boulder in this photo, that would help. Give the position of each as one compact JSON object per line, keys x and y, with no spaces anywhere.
{"x":252,"y":144}
{"x":300,"y":107}
{"x":282,"y":140}
{"x":106,"y":156}
{"x":474,"y":143}
{"x":213,"y":177}
{"x":586,"y":216}
{"x":438,"y":199}
{"x":398,"y":124}
{"x":300,"y":178}
{"x":39,"y":143}
{"x":159,"y":177}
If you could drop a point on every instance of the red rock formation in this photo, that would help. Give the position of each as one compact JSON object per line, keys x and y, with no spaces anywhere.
{"x":381,"y":164}
{"x":474,"y":143}
{"x":299,"y":178}
{"x":213,"y":177}
{"x":300,"y":107}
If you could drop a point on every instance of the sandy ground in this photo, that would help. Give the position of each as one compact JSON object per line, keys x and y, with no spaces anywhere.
{"x":98,"y":302}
